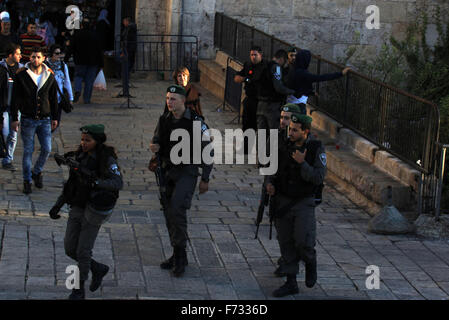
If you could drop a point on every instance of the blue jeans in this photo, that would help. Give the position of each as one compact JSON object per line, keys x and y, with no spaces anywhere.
{"x":87,"y":74}
{"x":31,"y":127}
{"x":10,"y":137}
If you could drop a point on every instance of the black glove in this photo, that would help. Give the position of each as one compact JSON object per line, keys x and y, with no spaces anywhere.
{"x":54,"y":213}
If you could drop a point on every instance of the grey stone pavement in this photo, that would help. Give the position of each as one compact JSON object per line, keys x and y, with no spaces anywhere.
{"x":225,"y":261}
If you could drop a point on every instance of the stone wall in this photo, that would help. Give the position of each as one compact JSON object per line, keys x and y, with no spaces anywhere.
{"x":327,"y":27}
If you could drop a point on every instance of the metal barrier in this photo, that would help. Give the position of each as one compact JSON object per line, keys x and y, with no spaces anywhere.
{"x":166,"y":53}
{"x":396,"y":121}
{"x":233,"y":91}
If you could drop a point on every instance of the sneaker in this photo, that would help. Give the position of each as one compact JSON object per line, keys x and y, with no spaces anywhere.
{"x":76,"y":97}
{"x":9,"y":166}
{"x":286,"y":289}
{"x":27,"y":187}
{"x":37,"y":178}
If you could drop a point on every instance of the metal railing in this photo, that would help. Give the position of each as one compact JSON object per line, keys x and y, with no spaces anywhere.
{"x":402,"y":124}
{"x":166,"y":53}
{"x":396,"y":121}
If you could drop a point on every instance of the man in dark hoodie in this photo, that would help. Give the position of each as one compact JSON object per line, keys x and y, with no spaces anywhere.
{"x":301,"y":79}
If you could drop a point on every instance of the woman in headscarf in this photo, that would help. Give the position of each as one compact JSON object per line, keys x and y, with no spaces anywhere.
{"x":104,"y":33}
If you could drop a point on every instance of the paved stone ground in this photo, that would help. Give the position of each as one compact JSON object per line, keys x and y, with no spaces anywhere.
{"x":225,"y":262}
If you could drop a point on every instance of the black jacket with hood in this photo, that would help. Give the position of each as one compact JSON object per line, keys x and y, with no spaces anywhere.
{"x":301,"y":80}
{"x":32,"y":100}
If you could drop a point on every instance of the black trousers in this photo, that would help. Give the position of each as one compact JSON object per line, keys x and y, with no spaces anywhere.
{"x":249,"y":118}
{"x":181,"y":184}
{"x":296,"y":233}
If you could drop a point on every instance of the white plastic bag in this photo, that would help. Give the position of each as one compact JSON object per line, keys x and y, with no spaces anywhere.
{"x":100,"y":81}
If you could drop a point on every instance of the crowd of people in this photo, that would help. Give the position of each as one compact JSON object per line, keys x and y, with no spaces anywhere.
{"x":35,"y":78}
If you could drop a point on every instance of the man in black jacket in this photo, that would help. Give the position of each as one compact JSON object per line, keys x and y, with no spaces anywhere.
{"x":35,"y":96}
{"x":128,"y":43}
{"x":88,"y":59}
{"x":8,"y":69}
{"x":250,"y":74}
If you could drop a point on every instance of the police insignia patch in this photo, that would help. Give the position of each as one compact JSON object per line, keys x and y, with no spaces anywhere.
{"x":114,"y":169}
{"x":173,"y":89}
{"x":323,"y":159}
{"x":277,"y":74}
{"x":204,"y":130}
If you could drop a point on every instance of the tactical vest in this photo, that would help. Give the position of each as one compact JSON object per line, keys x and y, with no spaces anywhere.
{"x":289,"y":181}
{"x":78,"y":194}
{"x":266,"y":87}
{"x":168,"y":124}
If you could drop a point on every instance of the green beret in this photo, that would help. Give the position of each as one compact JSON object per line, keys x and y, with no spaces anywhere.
{"x":291,"y":49}
{"x":301,"y":118}
{"x":291,"y":107}
{"x":93,"y":129}
{"x":177,"y":89}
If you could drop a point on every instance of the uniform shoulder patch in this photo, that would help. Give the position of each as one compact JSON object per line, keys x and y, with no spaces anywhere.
{"x":114,"y":169}
{"x":277,"y":73}
{"x":323,"y":159}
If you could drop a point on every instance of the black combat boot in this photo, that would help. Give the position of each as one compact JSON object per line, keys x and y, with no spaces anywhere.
{"x":289,"y":287}
{"x":78,"y":294}
{"x":311,"y":274}
{"x":27,"y":187}
{"x":278,"y":272}
{"x":38,"y":180}
{"x":99,"y":270}
{"x":180,"y":261}
{"x":167,"y":264}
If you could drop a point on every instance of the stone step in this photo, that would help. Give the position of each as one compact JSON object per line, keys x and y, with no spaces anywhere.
{"x":212,"y":77}
{"x":362,"y":182}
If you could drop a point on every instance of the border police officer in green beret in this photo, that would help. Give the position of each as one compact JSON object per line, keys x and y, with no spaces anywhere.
{"x":91,"y":192}
{"x":181,"y":179}
{"x":302,"y":168}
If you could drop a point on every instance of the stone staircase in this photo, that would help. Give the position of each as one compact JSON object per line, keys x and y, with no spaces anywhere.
{"x":355,"y":166}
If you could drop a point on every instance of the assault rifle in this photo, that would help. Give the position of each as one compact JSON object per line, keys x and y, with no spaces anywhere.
{"x":155,"y":166}
{"x":84,"y":173}
{"x":264,"y":200}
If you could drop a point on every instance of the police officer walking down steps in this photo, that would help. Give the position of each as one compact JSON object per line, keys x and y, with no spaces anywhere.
{"x":250,"y":75}
{"x":272,"y":92}
{"x":180,"y":179}
{"x":91,"y":192}
{"x":302,"y":168}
